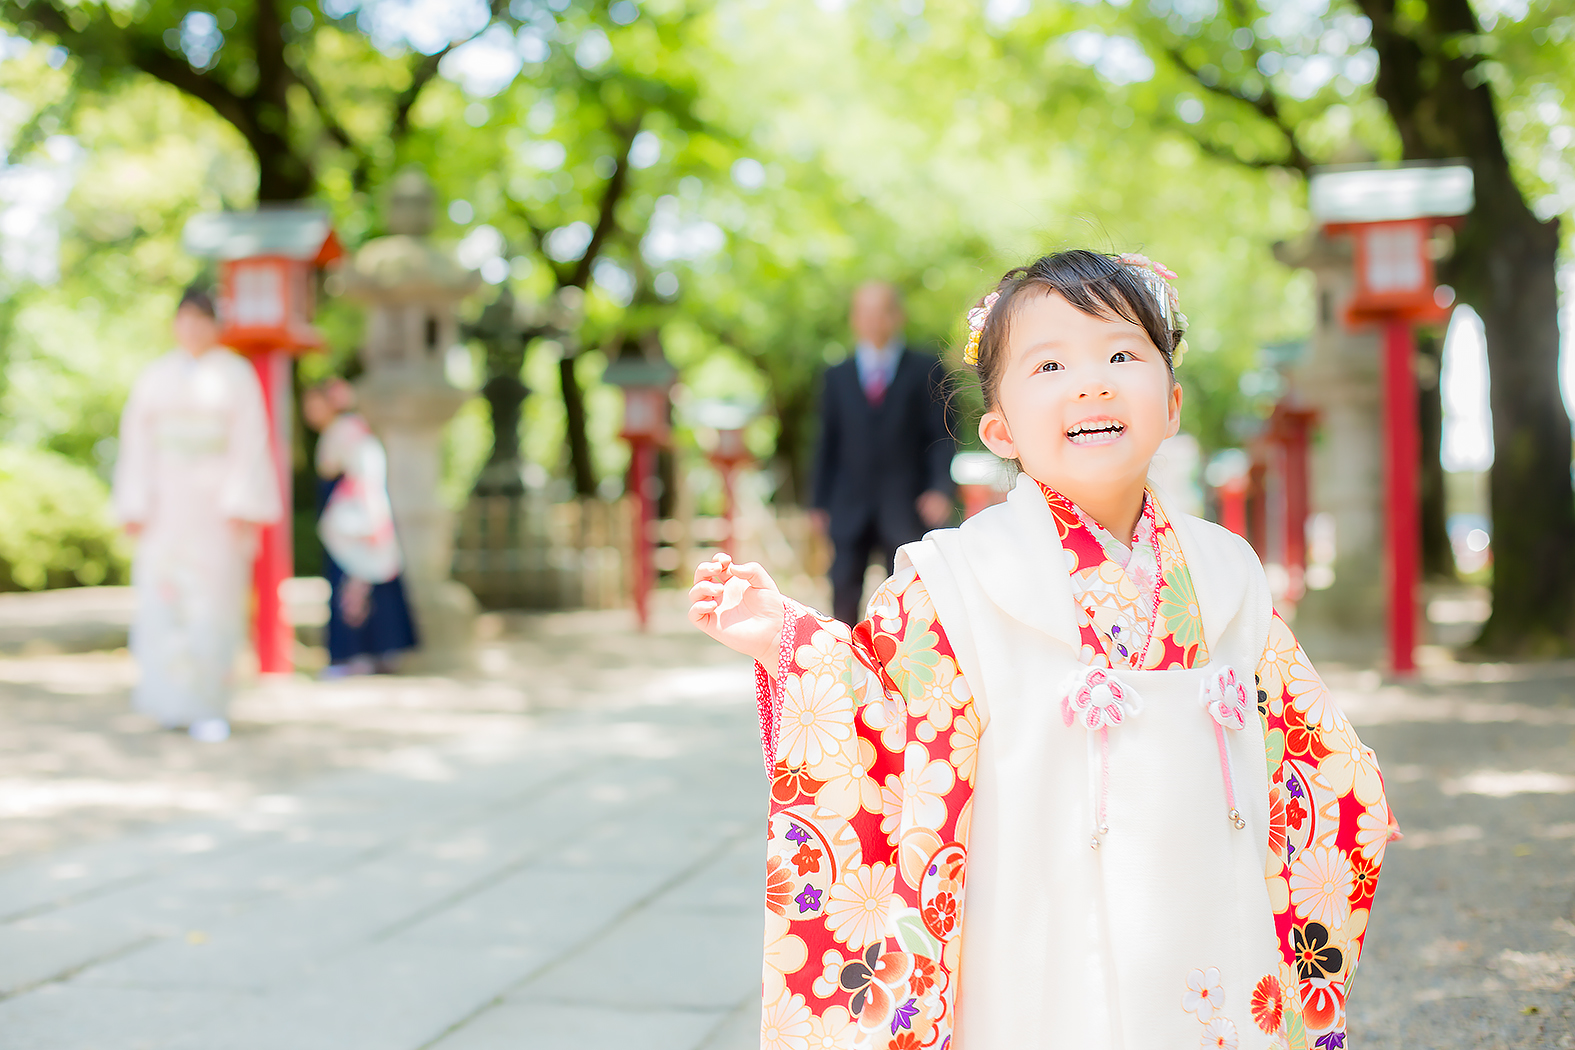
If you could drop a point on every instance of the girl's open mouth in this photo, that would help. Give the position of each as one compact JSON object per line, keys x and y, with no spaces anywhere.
{"x":1096,"y":432}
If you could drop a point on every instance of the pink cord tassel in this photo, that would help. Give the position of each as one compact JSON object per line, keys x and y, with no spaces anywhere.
{"x":1101,"y":820}
{"x":1230,"y":780}
{"x":1096,"y":699}
{"x":1225,"y":699}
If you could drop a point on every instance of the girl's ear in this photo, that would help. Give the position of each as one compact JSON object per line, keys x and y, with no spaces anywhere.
{"x":996,"y":435}
{"x":1175,"y":411}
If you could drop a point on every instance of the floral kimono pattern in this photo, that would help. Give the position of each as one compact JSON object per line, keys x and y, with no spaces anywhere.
{"x":872,"y":740}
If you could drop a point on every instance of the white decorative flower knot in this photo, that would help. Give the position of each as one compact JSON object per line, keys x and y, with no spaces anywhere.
{"x":1097,"y":699}
{"x":1226,"y":698}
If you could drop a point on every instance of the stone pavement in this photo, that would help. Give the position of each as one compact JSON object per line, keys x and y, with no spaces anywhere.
{"x":562,"y":850}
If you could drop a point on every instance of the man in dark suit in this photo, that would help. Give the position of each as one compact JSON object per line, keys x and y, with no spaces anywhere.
{"x":883,"y":469}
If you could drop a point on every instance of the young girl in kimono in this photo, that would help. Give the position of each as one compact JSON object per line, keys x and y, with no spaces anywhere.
{"x":1072,"y":784}
{"x":369,"y":623}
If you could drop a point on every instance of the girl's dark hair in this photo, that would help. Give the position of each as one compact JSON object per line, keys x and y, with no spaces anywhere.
{"x":199,"y":297}
{"x":1095,"y":283}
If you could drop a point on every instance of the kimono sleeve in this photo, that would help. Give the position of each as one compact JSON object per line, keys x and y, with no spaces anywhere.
{"x":251,"y":490}
{"x":871,"y":741}
{"x":132,"y":494}
{"x":1329,"y":823}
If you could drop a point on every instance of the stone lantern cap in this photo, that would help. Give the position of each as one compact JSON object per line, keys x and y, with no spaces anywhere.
{"x":1350,"y":193}
{"x":405,"y":266}
{"x":633,"y":370}
{"x":292,"y":233}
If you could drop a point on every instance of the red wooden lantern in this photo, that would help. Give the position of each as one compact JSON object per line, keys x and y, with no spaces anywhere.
{"x":645,"y":413}
{"x":1394,"y":273}
{"x":267,"y":260}
{"x":1390,"y":211}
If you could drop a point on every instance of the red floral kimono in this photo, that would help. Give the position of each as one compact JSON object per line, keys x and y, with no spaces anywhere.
{"x":872,"y":744}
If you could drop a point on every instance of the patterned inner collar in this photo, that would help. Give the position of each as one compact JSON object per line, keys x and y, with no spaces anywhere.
{"x":1115,"y":550}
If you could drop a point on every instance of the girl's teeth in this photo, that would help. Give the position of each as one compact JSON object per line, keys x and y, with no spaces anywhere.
{"x":1086,"y":437}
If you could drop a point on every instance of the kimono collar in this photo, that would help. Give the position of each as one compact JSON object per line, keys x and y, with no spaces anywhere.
{"x":1015,"y":551}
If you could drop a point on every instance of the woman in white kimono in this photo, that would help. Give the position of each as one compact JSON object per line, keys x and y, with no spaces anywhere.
{"x":1072,"y":784}
{"x":194,"y":480}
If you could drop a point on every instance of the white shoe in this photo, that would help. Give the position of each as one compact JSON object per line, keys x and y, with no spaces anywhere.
{"x":210,"y":730}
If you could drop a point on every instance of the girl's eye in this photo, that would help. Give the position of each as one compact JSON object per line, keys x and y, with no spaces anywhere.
{"x":1120,"y":356}
{"x":1049,"y":366}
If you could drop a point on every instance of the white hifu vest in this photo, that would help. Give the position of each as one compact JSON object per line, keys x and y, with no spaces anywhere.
{"x":1065,"y":945}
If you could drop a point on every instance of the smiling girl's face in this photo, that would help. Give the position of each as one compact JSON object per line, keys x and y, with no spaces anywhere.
{"x":1082,"y":403}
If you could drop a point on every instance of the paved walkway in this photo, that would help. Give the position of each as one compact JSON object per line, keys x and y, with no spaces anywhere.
{"x":562,"y":851}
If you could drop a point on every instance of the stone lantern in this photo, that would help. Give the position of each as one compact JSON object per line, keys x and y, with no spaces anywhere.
{"x":411,"y":288}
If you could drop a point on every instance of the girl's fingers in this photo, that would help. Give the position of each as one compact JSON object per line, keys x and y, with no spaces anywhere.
{"x":755,"y":575}
{"x":705,"y":590}
{"x":702,"y":611}
{"x":715,"y":569}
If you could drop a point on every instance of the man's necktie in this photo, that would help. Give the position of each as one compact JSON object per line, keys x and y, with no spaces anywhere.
{"x":875,"y":388}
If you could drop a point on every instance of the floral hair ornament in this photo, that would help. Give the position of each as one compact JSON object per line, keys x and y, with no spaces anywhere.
{"x":976,"y":318}
{"x":1161,"y":283}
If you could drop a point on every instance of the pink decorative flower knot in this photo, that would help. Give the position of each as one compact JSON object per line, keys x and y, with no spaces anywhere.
{"x":1225,"y":697}
{"x":1097,"y":699}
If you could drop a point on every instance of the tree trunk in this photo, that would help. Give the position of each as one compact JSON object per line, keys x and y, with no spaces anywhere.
{"x":1509,"y":277}
{"x":580,"y":466}
{"x":282,"y":177}
{"x":1438,"y":558}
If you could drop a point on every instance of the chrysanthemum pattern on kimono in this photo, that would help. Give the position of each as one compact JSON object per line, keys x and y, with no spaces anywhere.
{"x":872,"y":740}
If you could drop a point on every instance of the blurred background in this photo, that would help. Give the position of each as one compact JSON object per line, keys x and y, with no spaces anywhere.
{"x":606,"y":203}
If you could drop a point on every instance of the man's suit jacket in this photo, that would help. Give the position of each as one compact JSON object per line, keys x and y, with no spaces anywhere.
{"x":874,"y":461}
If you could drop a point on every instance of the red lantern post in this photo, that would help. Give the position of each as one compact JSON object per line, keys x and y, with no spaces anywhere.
{"x":727,"y":420}
{"x":729,"y":454}
{"x":267,"y":261}
{"x":1391,"y":213}
{"x":1290,"y":428}
{"x":1229,"y":474}
{"x":646,"y":385}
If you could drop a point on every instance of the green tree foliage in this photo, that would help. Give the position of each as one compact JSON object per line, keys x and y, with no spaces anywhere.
{"x":715,"y":176}
{"x":55,"y":529}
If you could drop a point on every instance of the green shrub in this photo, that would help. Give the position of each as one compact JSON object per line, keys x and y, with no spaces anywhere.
{"x":55,"y":524}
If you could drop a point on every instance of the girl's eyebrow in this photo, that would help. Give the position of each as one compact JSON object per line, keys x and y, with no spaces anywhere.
{"x":1055,"y":342}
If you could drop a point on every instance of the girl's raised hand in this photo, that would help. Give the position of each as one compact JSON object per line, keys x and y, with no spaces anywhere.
{"x":739,"y":606}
